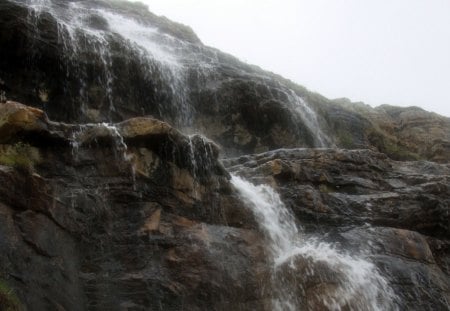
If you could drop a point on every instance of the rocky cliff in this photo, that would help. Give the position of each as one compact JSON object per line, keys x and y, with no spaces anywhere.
{"x":108,"y":202}
{"x":95,"y":61}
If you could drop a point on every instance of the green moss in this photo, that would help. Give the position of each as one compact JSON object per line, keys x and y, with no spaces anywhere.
{"x":345,"y":139}
{"x":326,"y":188}
{"x":3,"y":120}
{"x":2,"y":96}
{"x":8,"y":299}
{"x":20,"y":155}
{"x":391,"y":147}
{"x":398,"y":152}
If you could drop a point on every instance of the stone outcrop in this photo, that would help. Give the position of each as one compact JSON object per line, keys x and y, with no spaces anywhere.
{"x":402,"y":133}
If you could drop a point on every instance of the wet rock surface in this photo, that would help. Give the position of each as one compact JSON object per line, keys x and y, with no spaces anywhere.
{"x":396,"y":213}
{"x":98,"y":227}
{"x":118,"y":217}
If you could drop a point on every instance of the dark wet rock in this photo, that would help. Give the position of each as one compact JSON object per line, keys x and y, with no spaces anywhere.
{"x":407,"y":257}
{"x":396,"y":213}
{"x":319,"y":286}
{"x":138,"y":215}
{"x":355,"y":187}
{"x":103,"y":226}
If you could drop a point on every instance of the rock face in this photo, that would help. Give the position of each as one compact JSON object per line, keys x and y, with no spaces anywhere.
{"x":105,"y":203}
{"x":106,"y":217}
{"x":402,"y":133}
{"x":97,"y":226}
{"x":397,"y":213}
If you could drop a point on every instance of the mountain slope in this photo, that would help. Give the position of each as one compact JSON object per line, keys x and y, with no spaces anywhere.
{"x":92,"y":61}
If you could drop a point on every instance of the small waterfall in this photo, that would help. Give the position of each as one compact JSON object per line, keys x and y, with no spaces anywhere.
{"x":166,"y":51}
{"x":301,"y":110}
{"x":76,"y":141}
{"x":201,"y":155}
{"x":348,"y":282}
{"x":85,"y":133}
{"x":118,"y":139}
{"x":309,"y":118}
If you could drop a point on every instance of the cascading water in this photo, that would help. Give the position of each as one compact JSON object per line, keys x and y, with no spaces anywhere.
{"x":119,"y":147}
{"x":302,"y":112}
{"x":352,"y":283}
{"x":82,"y":134}
{"x":154,"y":46}
{"x":78,"y":33}
{"x":180,"y":183}
{"x":175,"y":69}
{"x":309,"y":118}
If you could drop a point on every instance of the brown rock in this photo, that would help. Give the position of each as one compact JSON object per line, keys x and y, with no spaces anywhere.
{"x":16,"y":119}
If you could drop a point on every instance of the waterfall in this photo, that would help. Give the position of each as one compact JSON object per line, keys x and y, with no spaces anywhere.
{"x":84,"y":25}
{"x":309,"y":118}
{"x":85,"y":133}
{"x":302,"y":112}
{"x":349,"y":282}
{"x":174,"y":69}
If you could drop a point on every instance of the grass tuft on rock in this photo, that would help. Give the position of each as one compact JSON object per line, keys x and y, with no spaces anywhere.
{"x":8,"y":299}
{"x":19,"y":155}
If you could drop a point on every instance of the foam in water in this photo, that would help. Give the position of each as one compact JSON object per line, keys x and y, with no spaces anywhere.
{"x":360,"y":286}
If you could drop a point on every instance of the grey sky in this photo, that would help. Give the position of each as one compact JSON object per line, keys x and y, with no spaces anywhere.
{"x":383,"y":51}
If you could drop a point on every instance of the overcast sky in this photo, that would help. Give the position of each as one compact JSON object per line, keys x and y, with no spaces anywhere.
{"x":376,"y":51}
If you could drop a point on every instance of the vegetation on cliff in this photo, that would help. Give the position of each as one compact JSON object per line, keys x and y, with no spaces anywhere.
{"x":8,"y":299}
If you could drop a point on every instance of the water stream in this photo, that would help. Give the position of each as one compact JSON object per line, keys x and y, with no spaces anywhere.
{"x":346,"y":282}
{"x":176,"y":67}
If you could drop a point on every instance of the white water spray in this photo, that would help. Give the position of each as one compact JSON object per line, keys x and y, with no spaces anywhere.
{"x":360,"y":286}
{"x":156,"y":50}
